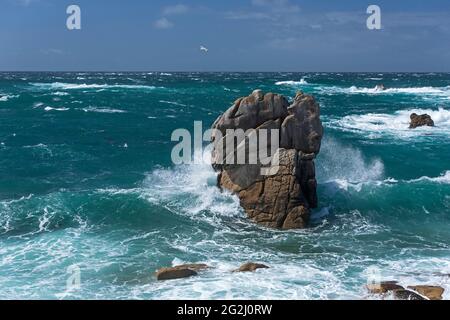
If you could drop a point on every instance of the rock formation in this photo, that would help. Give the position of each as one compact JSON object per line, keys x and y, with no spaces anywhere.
{"x":420,"y":292}
{"x":384,"y":287}
{"x":250,"y":267}
{"x":431,"y":292}
{"x":277,"y":194}
{"x":420,"y":121}
{"x":178,"y":272}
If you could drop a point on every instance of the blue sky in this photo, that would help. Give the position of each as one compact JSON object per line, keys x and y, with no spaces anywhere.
{"x":245,"y":35}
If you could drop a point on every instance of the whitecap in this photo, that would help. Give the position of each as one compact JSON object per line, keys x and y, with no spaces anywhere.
{"x":292,"y":83}
{"x":396,"y":124}
{"x":103,"y":110}
{"x":173,"y":103}
{"x":56,"y":109}
{"x":4,"y":98}
{"x":75,"y":86}
{"x":443,"y":179}
{"x":426,"y":91}
{"x":59,"y":93}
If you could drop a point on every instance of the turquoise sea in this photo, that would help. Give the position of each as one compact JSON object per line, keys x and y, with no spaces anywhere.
{"x":86,"y":180}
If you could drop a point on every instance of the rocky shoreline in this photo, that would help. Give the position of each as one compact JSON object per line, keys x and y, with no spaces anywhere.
{"x":378,"y":290}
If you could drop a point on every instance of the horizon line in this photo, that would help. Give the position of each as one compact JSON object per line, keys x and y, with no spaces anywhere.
{"x":216,"y":71}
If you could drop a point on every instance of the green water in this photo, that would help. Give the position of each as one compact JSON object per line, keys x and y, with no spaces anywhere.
{"x":86,"y":179}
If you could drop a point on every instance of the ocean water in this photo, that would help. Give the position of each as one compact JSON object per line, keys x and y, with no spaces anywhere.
{"x":86,"y":180}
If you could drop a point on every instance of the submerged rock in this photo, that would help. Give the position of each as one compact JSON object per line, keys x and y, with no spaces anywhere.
{"x":178,"y":272}
{"x":250,"y":267}
{"x":431,"y":292}
{"x":276,"y":194}
{"x":420,"y":121}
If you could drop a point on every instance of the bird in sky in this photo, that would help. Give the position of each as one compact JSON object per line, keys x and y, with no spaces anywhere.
{"x":204,"y":49}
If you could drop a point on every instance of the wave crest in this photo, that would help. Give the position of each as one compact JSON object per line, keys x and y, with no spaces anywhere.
{"x":397,"y":124}
{"x":75,"y":86}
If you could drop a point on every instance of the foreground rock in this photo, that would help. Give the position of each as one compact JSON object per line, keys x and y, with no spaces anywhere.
{"x":250,"y":267}
{"x":404,"y":294}
{"x":384,"y":287}
{"x":421,"y":121}
{"x":277,"y":195}
{"x":431,"y":292}
{"x":420,"y":292}
{"x":178,"y":272}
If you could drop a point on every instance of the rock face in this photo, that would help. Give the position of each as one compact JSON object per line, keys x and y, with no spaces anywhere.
{"x":403,"y":294}
{"x":278,"y":194}
{"x":420,"y":292}
{"x":431,"y":292}
{"x":420,"y":121}
{"x":250,"y":267}
{"x":178,"y":272}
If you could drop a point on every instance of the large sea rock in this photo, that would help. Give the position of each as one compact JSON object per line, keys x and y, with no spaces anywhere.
{"x":281,"y":193}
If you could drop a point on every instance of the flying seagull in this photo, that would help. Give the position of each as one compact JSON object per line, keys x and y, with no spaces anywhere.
{"x":204,"y":49}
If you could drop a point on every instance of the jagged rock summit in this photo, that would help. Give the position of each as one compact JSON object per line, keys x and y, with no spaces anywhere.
{"x":279,"y":189}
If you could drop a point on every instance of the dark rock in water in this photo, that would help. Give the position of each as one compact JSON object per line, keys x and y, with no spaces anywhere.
{"x":384,"y":287}
{"x":277,"y":195}
{"x":250,"y":267}
{"x":431,"y":292}
{"x":178,"y":272}
{"x":420,"y":121}
{"x":403,"y":294}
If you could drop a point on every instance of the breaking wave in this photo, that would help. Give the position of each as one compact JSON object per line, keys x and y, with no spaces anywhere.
{"x":397,"y":124}
{"x":75,"y":86}
{"x":292,"y":83}
{"x":103,"y":110}
{"x":4,"y":98}
{"x":435,"y":91}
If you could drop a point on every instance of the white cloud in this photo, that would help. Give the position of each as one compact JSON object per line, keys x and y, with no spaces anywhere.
{"x":176,"y":9}
{"x":275,"y":10}
{"x":241,"y":15}
{"x":278,"y":6}
{"x":163,"y":23}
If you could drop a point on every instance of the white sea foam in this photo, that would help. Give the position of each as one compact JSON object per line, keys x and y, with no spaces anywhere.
{"x":75,"y":86}
{"x":425,"y":91}
{"x":4,"y":98}
{"x":346,"y":164}
{"x":191,"y":190}
{"x":59,"y":93}
{"x":56,"y":109}
{"x":443,"y":179}
{"x":173,"y":103}
{"x":103,"y":110}
{"x":292,"y":83}
{"x":375,"y":125}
